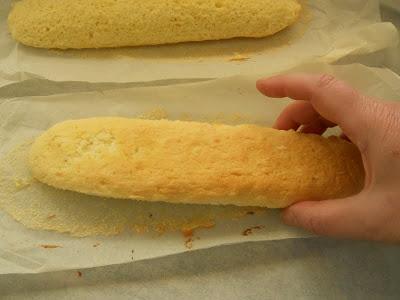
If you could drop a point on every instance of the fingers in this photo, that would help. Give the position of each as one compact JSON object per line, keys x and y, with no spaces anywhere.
{"x":302,"y":113}
{"x":332,"y":99}
{"x":343,"y":218}
{"x":318,"y":126}
{"x":291,"y":86}
{"x":345,"y":137}
{"x":295,"y":115}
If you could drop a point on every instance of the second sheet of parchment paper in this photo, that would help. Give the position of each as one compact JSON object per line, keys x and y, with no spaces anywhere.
{"x":327,"y":31}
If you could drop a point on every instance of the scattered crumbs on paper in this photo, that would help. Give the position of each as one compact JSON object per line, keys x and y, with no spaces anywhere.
{"x":249,"y":230}
{"x":187,"y":226}
{"x":189,"y":229}
{"x":161,"y":228}
{"x":239,"y":57}
{"x":237,"y":118}
{"x":41,"y":207}
{"x":186,"y":117}
{"x":47,"y":246}
{"x":21,"y":183}
{"x":96,"y":245}
{"x":223,"y":118}
{"x":250,"y":212}
{"x":220,"y":118}
{"x":79,"y":273}
{"x":140,"y":228}
{"x":57,"y":52}
{"x":189,"y":243}
{"x":158,"y":113}
{"x":132,"y":254}
{"x":187,"y":232}
{"x":188,"y":235}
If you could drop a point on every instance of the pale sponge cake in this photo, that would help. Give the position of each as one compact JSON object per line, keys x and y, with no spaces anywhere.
{"x":115,"y":23}
{"x":190,"y":162}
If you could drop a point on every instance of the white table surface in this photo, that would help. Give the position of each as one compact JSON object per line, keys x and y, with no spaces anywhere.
{"x":347,"y":269}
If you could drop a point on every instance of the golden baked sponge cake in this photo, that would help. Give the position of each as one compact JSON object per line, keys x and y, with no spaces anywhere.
{"x":195,"y":163}
{"x":78,"y":24}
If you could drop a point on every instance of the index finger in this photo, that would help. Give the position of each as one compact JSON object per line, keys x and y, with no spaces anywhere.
{"x":334,"y":100}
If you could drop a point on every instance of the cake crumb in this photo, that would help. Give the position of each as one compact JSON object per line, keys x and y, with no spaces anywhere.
{"x":21,"y":183}
{"x":239,"y":57}
{"x":186,"y":117}
{"x":47,"y":246}
{"x":189,"y":243}
{"x":158,"y":113}
{"x":140,"y":229}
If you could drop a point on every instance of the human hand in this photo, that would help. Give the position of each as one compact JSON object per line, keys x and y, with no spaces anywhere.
{"x":374,"y":127}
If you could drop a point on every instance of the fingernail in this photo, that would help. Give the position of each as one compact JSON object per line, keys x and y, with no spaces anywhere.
{"x":259,"y":84}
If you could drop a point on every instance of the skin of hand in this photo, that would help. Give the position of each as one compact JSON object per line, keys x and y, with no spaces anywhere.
{"x":373,"y":126}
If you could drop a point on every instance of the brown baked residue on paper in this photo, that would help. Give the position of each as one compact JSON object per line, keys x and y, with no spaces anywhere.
{"x":188,"y":233}
{"x":47,"y":246}
{"x":249,"y":231}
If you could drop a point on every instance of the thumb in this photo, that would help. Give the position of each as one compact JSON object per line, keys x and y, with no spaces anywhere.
{"x":355,"y":217}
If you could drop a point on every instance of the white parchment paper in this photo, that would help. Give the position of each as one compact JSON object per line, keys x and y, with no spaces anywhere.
{"x":23,"y":118}
{"x":327,"y":31}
